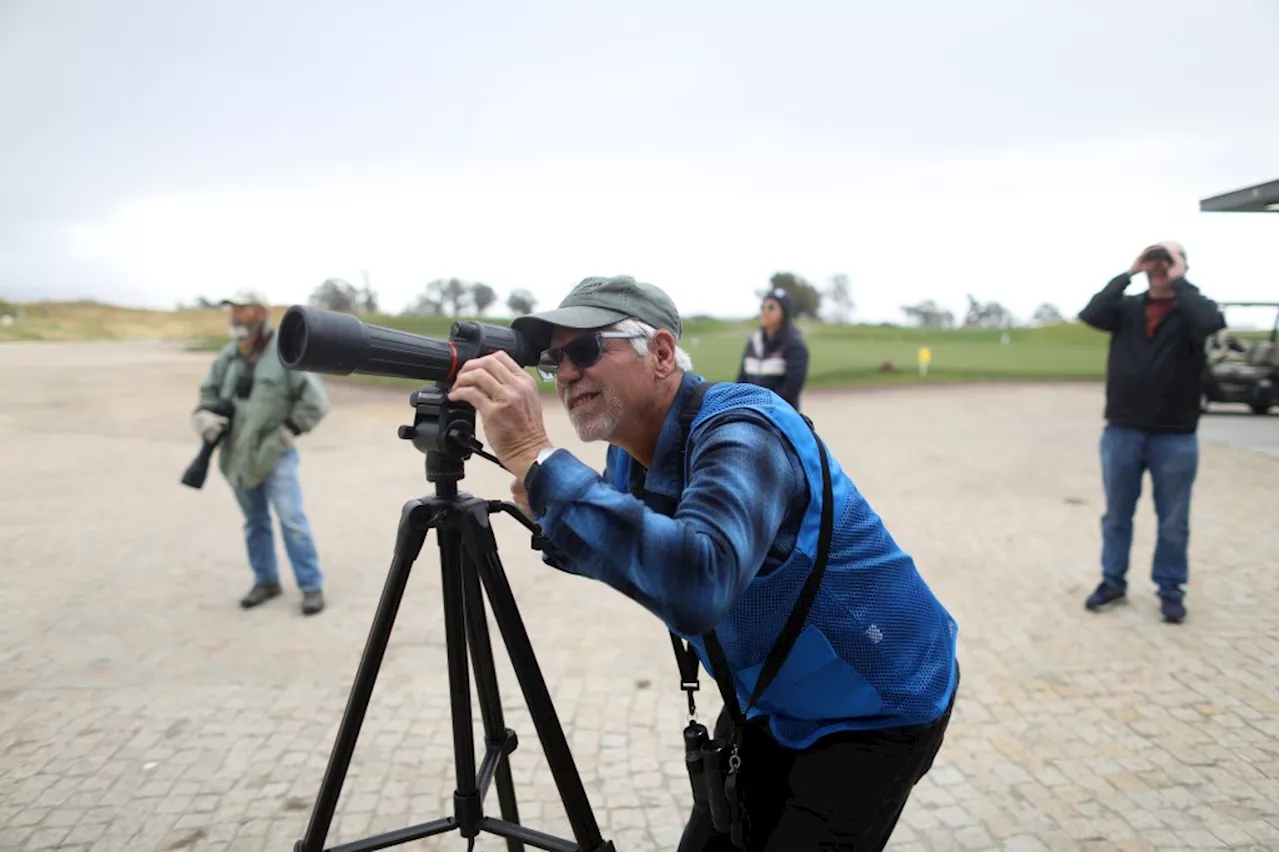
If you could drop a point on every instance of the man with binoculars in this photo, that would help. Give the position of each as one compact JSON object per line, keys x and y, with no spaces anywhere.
{"x":254,"y":409}
{"x":721,"y":512}
{"x":1155,"y":363}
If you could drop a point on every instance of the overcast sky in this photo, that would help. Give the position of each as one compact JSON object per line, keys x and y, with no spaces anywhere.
{"x":1021,"y":150}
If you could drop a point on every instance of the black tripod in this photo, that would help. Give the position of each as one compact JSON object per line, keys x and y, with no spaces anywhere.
{"x":445,"y":431}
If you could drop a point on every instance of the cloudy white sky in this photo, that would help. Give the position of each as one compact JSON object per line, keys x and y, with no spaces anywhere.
{"x":1019,"y":150}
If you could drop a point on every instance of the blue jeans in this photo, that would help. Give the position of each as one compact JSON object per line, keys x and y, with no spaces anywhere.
{"x":282,"y":490}
{"x":1172,"y":460}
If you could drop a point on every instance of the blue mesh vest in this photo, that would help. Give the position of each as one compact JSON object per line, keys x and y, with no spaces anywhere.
{"x":877,"y":649}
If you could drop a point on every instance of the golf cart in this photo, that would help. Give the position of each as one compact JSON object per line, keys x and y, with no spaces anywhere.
{"x":1236,"y":370}
{"x":1239,"y":370}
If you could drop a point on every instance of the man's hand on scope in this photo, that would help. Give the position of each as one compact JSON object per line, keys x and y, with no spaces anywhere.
{"x":507,"y":400}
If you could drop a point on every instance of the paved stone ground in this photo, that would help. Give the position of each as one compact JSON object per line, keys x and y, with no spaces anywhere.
{"x":1237,"y":426}
{"x":140,"y":709}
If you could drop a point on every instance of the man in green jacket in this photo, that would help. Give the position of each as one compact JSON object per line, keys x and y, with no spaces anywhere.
{"x":258,"y":455}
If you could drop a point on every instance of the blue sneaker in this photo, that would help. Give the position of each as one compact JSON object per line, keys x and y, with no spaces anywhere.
{"x":1103,"y":597}
{"x":1173,"y":610}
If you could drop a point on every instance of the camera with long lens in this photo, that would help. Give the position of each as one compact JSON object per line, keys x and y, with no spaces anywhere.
{"x":196,"y":472}
{"x":707,"y":761}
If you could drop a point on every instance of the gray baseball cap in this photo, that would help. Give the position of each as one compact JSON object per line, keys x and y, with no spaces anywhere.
{"x":598,"y":302}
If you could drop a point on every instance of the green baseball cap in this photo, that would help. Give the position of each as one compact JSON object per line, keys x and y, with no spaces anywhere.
{"x":598,"y":302}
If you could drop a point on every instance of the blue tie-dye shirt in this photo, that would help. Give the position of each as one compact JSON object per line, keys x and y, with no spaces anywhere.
{"x":738,"y":516}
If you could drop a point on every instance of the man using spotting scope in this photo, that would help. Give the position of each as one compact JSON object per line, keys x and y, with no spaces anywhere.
{"x":721,"y":513}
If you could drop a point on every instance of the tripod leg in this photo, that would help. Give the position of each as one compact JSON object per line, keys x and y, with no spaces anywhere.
{"x":414,"y":521}
{"x":466,"y":797}
{"x":478,"y":536}
{"x":497,"y":735}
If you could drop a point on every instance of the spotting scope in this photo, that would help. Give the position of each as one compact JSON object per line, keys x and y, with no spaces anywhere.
{"x":319,"y":341}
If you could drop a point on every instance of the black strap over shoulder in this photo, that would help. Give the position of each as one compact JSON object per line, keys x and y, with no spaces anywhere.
{"x":686,"y":658}
{"x":690,"y":412}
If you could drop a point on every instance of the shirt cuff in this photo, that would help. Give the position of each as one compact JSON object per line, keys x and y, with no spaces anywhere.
{"x":560,"y":478}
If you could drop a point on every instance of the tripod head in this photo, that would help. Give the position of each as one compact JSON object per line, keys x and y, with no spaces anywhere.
{"x":445,"y":431}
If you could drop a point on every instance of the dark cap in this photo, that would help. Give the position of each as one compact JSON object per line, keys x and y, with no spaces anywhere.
{"x":598,"y":302}
{"x":783,"y":298}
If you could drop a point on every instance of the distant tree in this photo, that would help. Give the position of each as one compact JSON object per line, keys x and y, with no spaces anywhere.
{"x":441,"y":296}
{"x":204,"y":302}
{"x":425,"y":303}
{"x":336,"y":294}
{"x":521,"y":302}
{"x":1047,"y":314}
{"x":482,"y":296}
{"x":987,"y":315}
{"x":928,"y":314}
{"x":806,"y":301}
{"x":368,"y":298}
{"x":841,"y":298}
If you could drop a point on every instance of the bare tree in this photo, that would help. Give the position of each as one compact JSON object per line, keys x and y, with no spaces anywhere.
{"x":987,"y":315}
{"x":335,"y":294}
{"x":442,"y":296}
{"x":368,"y":298}
{"x":928,"y":314}
{"x":841,"y":298}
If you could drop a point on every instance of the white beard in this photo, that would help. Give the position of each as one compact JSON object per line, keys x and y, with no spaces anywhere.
{"x":602,"y":418}
{"x":239,"y":332}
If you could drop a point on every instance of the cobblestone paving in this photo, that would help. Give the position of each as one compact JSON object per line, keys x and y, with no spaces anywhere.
{"x":140,"y":709}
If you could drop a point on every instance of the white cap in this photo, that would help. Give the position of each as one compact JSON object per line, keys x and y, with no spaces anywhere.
{"x":248,"y":296}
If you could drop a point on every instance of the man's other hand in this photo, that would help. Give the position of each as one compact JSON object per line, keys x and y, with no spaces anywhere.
{"x":507,"y":400}
{"x":209,"y":425}
{"x":520,"y":497}
{"x":1178,"y":268}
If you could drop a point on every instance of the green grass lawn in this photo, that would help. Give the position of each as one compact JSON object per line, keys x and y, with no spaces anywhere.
{"x":839,"y":355}
{"x":855,"y":355}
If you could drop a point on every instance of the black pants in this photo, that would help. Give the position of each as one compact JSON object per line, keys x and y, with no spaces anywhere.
{"x":845,"y":792}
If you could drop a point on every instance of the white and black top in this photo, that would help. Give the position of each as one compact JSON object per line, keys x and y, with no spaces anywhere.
{"x":779,"y":362}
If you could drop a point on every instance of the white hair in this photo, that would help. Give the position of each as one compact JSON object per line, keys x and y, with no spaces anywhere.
{"x":641,"y":344}
{"x":1174,"y":245}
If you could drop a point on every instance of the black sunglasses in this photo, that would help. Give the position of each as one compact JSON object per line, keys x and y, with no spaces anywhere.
{"x":583,"y":352}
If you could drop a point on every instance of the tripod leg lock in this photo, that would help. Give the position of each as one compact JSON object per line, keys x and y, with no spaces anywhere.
{"x":468,"y":810}
{"x":509,"y":742}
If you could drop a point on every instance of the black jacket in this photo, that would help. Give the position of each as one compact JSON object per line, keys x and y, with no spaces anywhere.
{"x":1154,"y":384}
{"x":779,"y":362}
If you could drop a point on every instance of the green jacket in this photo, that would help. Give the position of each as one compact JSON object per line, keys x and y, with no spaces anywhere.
{"x":258,"y":435}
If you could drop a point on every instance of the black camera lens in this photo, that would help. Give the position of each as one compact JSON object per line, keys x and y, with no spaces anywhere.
{"x":714,"y":764}
{"x":695,"y":737}
{"x":695,"y":740}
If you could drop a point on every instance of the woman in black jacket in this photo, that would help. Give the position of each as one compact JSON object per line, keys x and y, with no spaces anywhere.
{"x":776,"y":356}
